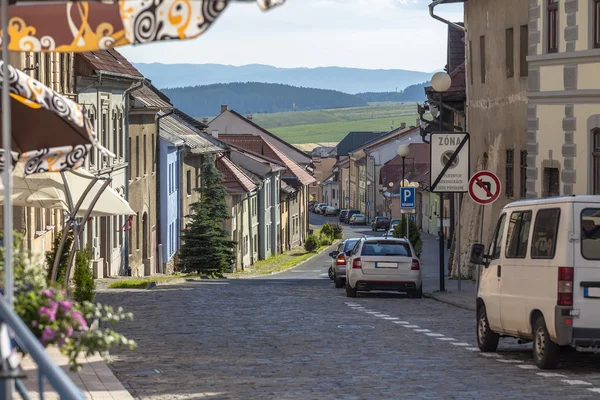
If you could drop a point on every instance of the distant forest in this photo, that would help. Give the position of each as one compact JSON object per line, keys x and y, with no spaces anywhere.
{"x":255,"y":98}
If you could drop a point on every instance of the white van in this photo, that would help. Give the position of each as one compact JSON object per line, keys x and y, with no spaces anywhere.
{"x":540,"y":279}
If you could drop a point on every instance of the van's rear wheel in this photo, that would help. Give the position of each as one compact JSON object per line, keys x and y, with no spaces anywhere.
{"x":487,"y":340}
{"x":546,"y":353}
{"x":349,"y":291}
{"x":339,"y":283}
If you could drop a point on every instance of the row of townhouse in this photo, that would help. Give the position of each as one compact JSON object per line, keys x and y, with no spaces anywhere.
{"x":159,"y":152}
{"x":532,"y":100}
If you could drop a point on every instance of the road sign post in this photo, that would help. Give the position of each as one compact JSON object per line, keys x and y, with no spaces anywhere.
{"x":450,"y":167}
{"x":407,"y":202}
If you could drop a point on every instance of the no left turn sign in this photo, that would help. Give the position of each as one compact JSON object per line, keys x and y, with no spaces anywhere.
{"x":484,"y":187}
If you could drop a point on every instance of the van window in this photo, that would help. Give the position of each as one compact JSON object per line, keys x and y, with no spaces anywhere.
{"x":590,"y":233}
{"x":518,"y":234}
{"x":496,"y":246}
{"x":544,"y":233}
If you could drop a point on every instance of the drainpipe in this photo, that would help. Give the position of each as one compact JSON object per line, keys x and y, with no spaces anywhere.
{"x":126,"y":94}
{"x":158,"y":210}
{"x":436,"y":3}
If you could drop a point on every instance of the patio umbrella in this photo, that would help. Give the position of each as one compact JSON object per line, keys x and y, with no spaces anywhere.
{"x":42,"y":26}
{"x":49,"y":131}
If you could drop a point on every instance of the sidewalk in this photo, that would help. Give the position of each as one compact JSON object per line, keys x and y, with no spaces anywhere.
{"x":95,"y":379}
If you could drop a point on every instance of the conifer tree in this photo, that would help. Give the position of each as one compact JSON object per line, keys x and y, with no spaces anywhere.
{"x":206,"y":246}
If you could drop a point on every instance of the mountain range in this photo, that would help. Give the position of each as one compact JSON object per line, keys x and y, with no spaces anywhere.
{"x":347,"y":80}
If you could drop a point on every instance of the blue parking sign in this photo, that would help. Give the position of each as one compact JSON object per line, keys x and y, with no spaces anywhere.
{"x":407,"y":197}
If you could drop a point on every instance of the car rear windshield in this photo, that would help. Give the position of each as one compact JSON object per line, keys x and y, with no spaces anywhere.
{"x":386,"y":248}
{"x":590,"y":233}
{"x":349,"y":244}
{"x":382,"y":219}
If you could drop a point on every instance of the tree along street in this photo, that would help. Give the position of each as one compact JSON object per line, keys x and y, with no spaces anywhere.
{"x":293,"y":336}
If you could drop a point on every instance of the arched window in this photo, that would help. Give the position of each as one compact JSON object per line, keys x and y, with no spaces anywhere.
{"x":596,"y":160}
{"x":115,"y":133}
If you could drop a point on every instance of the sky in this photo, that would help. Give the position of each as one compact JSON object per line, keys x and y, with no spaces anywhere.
{"x":371,"y":34}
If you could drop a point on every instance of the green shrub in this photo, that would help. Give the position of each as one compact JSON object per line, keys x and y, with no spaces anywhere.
{"x":326,"y":241}
{"x":64,"y":257}
{"x":312,"y":243}
{"x":327,"y":230}
{"x":338,"y":231}
{"x":85,"y":287}
{"x":414,"y":235}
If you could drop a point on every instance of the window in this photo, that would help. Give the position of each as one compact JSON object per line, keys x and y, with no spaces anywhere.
{"x":145,"y":163}
{"x":495,"y":248}
{"x":116,"y":147}
{"x":245,"y":244}
{"x":268,"y":194}
{"x":543,"y":241}
{"x":471,"y":72}
{"x":114,"y":232}
{"x":482,"y":57}
{"x":197,"y":178}
{"x":93,"y":150}
{"x":596,"y":160}
{"x":333,"y":194}
{"x":590,"y":233}
{"x":137,"y":231}
{"x":518,"y":234}
{"x":523,"y":51}
{"x":509,"y":173}
{"x":105,"y":137}
{"x":510,"y":52}
{"x":596,"y":13}
{"x":153,"y":154}
{"x":121,"y":135}
{"x":268,"y":237}
{"x":523,"y":174}
{"x":550,"y":184}
{"x":189,"y":182}
{"x":386,"y":248}
{"x":130,"y":160}
{"x":137,"y":156}
{"x":48,"y":69}
{"x":552,"y":26}
{"x":255,"y":241}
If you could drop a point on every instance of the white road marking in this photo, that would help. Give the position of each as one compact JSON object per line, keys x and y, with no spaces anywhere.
{"x":551,"y":375}
{"x":391,"y":318}
{"x":461,"y":344}
{"x":422,"y":330}
{"x":472,"y":348}
{"x":595,"y":390}
{"x":446,"y":339}
{"x":527,"y":366}
{"x":380,"y":315}
{"x":434,"y":334}
{"x":401,"y":322}
{"x":372,"y":312}
{"x":575,"y":382}
{"x":511,"y":361}
{"x":491,"y":355}
{"x":411,"y":326}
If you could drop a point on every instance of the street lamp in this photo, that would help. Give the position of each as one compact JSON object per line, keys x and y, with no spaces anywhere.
{"x":367,"y":201}
{"x":403,"y":152}
{"x":441,"y":82}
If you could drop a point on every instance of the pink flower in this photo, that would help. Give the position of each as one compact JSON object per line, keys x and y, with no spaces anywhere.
{"x":69,"y":332}
{"x":63,"y":292}
{"x":80,"y":320}
{"x":47,"y":335}
{"x":48,"y":292}
{"x":65,"y":305}
{"x":48,"y":312}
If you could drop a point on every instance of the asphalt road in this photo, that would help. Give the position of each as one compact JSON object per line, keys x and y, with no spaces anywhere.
{"x":294,"y":336}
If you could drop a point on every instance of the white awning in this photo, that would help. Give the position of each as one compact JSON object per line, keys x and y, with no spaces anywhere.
{"x":48,"y":190}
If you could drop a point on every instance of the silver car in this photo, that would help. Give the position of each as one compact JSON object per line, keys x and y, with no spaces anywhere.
{"x":358,"y":219}
{"x":338,"y":265}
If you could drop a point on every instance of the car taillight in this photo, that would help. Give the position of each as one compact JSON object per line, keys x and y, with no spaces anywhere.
{"x":356,"y":264}
{"x":416,"y":266}
{"x":565,"y":286}
{"x":340,"y":260}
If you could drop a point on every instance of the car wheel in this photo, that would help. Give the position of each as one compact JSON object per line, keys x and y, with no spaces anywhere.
{"x":546,"y":353}
{"x":339,"y":283}
{"x":418,"y":294}
{"x":487,"y":340}
{"x":330,"y":273}
{"x":349,"y":291}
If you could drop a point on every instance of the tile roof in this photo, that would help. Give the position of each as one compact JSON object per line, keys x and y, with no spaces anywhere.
{"x":263,"y":147}
{"x":287,"y":188}
{"x":354,"y":140}
{"x":234,"y":179}
{"x":172,"y":126}
{"x":190,"y":120}
{"x":274,"y":165}
{"x":393,"y":173}
{"x":150,"y":97}
{"x":110,"y":61}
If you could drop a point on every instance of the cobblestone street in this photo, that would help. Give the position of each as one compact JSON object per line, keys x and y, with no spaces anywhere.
{"x":291,"y":338}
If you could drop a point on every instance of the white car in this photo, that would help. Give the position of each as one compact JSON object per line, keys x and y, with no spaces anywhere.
{"x":389,"y":233}
{"x":383,"y":264}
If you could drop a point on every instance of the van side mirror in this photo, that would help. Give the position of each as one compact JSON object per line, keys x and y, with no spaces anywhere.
{"x":478,"y":254}
{"x":348,"y":253}
{"x":334,"y":254}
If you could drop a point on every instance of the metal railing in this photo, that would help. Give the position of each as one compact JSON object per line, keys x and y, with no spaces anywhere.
{"x":10,"y":375}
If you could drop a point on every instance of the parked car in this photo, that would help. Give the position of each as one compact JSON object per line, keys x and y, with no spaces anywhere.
{"x":328,"y":210}
{"x":380,"y":223}
{"x":319,"y":207}
{"x":342,"y":216}
{"x":358,"y":219}
{"x":338,"y":265}
{"x":395,"y":222}
{"x":540,"y":279}
{"x":350,"y":214}
{"x":388,"y":264}
{"x":311,"y":205}
{"x":389,"y":233}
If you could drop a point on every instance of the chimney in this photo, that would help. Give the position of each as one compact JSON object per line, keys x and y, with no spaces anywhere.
{"x":215,"y":134}
{"x":205,"y":120}
{"x":249,"y":117}
{"x":403,"y":125}
{"x":224,"y":107}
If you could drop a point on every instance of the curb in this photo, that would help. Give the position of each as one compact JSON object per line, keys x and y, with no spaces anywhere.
{"x":165,"y":282}
{"x":456,"y":304}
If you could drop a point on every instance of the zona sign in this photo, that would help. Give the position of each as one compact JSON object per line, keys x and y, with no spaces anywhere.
{"x":484,"y":187}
